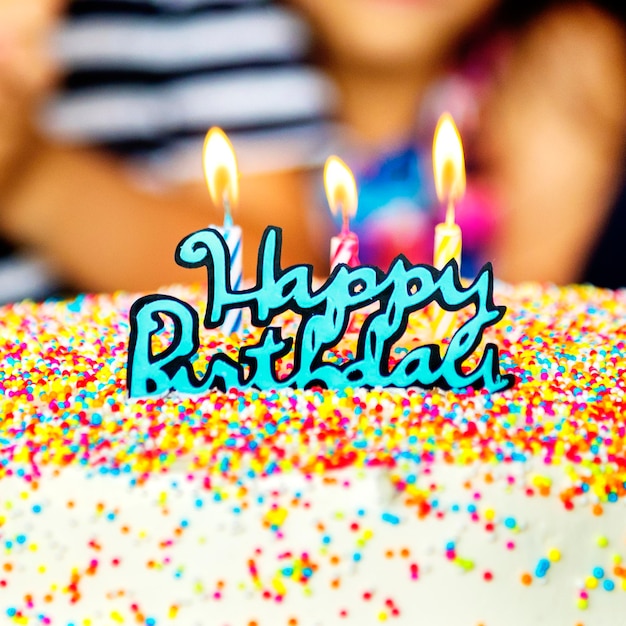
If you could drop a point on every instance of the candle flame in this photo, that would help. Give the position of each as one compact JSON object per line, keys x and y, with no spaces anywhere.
{"x":448,"y":163}
{"x":340,"y":189}
{"x":220,"y":169}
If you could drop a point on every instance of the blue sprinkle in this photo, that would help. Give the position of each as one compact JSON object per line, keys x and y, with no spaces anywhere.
{"x":325,"y":539}
{"x":608,"y":585}
{"x":542,"y":568}
{"x":598,"y":573}
{"x":21,"y":539}
{"x":510,"y":522}
{"x":37,"y":508}
{"x":199,"y":503}
{"x":390,"y":518}
{"x":356,"y":557}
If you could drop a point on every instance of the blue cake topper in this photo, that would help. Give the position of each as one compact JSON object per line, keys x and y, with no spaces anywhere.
{"x":325,"y":315}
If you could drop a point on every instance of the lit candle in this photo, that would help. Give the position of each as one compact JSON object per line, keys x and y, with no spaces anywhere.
{"x":342,"y":196}
{"x":449,"y":168}
{"x":220,"y":170}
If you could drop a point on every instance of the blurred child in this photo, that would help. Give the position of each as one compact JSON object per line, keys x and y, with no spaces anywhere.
{"x":115,"y":180}
{"x":539,"y":92}
{"x":540,"y":105}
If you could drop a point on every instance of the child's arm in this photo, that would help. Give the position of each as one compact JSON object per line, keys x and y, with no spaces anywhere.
{"x":559,"y":130}
{"x":101,"y":232}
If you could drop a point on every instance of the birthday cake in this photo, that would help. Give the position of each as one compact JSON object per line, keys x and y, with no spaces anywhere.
{"x":362,"y":506}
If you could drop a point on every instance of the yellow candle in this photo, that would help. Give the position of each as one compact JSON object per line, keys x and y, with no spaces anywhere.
{"x":449,"y":169}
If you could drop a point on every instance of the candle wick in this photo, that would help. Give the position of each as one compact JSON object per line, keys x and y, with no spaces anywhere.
{"x":228,"y":216}
{"x":345,"y":226}
{"x":450,"y":213}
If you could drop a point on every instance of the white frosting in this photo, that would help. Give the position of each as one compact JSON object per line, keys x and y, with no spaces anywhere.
{"x":218,"y":543}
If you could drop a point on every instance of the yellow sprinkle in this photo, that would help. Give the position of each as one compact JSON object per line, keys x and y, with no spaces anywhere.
{"x":602,"y":541}
{"x":115,"y":616}
{"x":554,"y":554}
{"x":466,"y":564}
{"x":382,"y":616}
{"x":33,"y":547}
{"x":582,"y":604}
{"x":173,"y":612}
{"x":617,"y":559}
{"x":591,"y":582}
{"x":490,"y":515}
{"x":278,"y":585}
{"x":41,"y":569}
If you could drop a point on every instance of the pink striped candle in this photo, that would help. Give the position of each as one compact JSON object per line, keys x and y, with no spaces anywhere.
{"x":342,"y":196}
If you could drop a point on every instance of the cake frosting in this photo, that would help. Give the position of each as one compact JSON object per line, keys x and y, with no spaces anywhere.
{"x":314,"y":507}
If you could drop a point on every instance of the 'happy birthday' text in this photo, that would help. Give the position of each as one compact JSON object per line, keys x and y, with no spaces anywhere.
{"x":325,"y":314}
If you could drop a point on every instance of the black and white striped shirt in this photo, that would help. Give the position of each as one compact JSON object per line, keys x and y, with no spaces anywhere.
{"x":147,"y":78}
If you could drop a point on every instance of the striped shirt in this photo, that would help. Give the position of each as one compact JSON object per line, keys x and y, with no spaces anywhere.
{"x":147,"y":78}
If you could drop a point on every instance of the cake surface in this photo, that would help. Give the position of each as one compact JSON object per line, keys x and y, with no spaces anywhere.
{"x":315,"y":507}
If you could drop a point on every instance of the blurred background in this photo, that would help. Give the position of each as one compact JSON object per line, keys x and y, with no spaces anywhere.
{"x":104,"y":105}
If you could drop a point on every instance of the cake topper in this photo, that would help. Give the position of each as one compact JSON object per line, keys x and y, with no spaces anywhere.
{"x":325,"y":313}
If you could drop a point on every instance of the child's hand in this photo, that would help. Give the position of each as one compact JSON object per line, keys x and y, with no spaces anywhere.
{"x":26,"y":69}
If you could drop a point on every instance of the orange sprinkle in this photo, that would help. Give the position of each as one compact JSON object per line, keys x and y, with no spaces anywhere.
{"x":526,"y":579}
